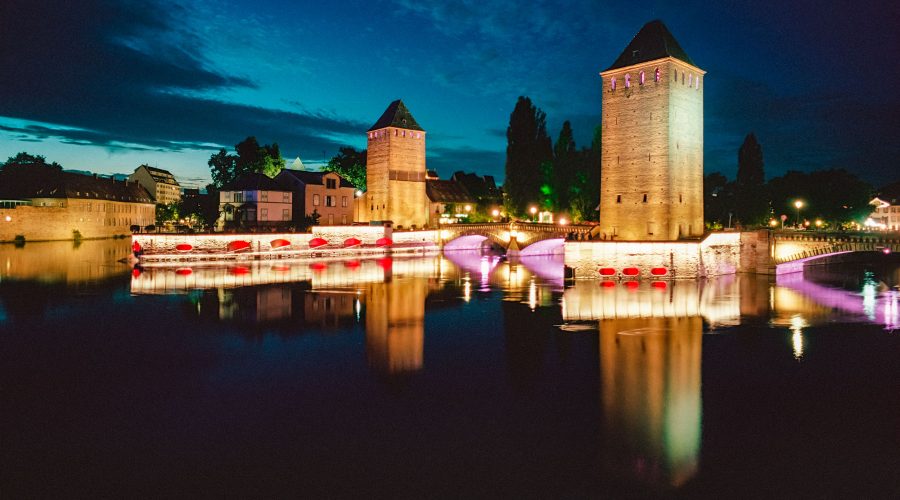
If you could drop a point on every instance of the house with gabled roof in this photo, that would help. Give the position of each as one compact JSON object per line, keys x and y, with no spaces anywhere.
{"x":326,"y":193}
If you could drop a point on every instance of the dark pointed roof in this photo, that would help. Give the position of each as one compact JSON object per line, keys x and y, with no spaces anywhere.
{"x":397,"y":115}
{"x":653,"y":41}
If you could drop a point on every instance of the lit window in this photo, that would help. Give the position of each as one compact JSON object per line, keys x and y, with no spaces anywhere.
{"x":691,"y":80}
{"x":612,"y":83}
{"x":627,"y":81}
{"x":697,"y":87}
{"x":642,"y":78}
{"x":657,"y":75}
{"x":343,"y":201}
{"x":315,"y":200}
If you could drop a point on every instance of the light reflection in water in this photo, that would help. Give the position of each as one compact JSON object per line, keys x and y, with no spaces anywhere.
{"x":797,"y":326}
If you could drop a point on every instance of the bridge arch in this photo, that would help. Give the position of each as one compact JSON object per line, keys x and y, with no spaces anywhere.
{"x":514,"y":238}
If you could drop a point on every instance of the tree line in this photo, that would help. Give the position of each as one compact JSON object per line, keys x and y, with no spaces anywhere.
{"x":558,"y":176}
{"x":835,"y":197}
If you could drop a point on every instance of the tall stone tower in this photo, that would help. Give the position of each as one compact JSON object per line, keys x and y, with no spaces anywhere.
{"x":395,"y":169}
{"x":652,"y":143}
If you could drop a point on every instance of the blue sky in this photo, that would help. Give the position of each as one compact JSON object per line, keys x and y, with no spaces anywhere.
{"x":106,"y":86}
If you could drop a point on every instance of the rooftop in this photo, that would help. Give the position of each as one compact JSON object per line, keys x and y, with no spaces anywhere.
{"x":440,"y":191}
{"x":313,"y":177}
{"x":653,"y":41}
{"x":42,"y":182}
{"x":397,"y":115}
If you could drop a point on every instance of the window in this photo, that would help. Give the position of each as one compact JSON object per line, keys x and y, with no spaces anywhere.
{"x":675,"y":72}
{"x":343,"y":201}
{"x":682,"y":77}
{"x":285,"y":214}
{"x":612,"y":83}
{"x":691,"y":80}
{"x":697,"y":86}
{"x":627,"y":81}
{"x":238,"y":197}
{"x":344,"y":219}
{"x":286,"y":197}
{"x":330,"y":183}
{"x":680,"y":198}
{"x":331,"y":201}
{"x":642,"y":78}
{"x":264,"y":215}
{"x":618,"y":198}
{"x":264,"y":196}
{"x":315,"y":200}
{"x":645,"y":197}
{"x":330,"y":219}
{"x":657,"y":75}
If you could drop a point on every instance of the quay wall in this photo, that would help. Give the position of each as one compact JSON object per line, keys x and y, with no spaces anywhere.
{"x":103,"y":219}
{"x":717,"y":254}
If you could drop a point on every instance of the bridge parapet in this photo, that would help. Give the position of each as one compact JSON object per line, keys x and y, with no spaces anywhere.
{"x":794,"y":246}
{"x":514,"y":236}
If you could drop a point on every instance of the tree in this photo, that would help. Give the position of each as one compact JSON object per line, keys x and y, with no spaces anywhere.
{"x":718,"y":200}
{"x":166,"y":213}
{"x":835,"y":196}
{"x":565,"y":166}
{"x":349,"y":164}
{"x":250,"y":158}
{"x":584,"y":190}
{"x":25,"y":160}
{"x":222,"y":168}
{"x":528,"y":146}
{"x":751,"y":207}
{"x":204,"y":208}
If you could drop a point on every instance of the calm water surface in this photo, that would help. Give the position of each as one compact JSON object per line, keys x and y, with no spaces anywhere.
{"x":441,"y":376}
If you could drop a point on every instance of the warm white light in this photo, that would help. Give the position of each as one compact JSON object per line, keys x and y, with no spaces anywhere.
{"x":513,"y":234}
{"x":563,"y":221}
{"x":445,"y":234}
{"x":533,"y":210}
{"x":818,"y":222}
{"x":468,"y":208}
{"x":8,"y":218}
{"x":798,"y":204}
{"x":773,"y":222}
{"x":358,"y":193}
{"x":495,"y":213}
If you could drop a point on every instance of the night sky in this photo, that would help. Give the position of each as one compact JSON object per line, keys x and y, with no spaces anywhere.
{"x":106,"y":86}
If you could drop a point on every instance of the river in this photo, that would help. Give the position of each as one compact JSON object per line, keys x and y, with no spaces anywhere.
{"x":451,"y":375}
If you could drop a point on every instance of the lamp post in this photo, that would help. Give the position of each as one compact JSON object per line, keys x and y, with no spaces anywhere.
{"x":533,"y":211}
{"x":799,"y":205}
{"x":357,"y":194}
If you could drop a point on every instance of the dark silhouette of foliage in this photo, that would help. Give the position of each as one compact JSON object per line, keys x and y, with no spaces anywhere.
{"x":24,"y":160}
{"x":528,"y":146}
{"x":751,"y":207}
{"x":584,"y":189}
{"x":718,"y":200}
{"x":250,"y":158}
{"x":349,"y":164}
{"x":835,"y":196}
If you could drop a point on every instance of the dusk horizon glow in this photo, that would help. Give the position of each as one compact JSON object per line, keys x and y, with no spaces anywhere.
{"x":107,"y":86}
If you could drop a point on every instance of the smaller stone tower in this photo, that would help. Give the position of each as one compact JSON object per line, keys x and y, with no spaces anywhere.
{"x":395,"y":169}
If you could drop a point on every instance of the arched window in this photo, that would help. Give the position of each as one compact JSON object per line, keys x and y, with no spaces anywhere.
{"x":627,"y":80}
{"x":657,"y":75}
{"x":691,"y":80}
{"x":675,"y":72}
{"x":642,"y":78}
{"x":682,"y":77}
{"x":612,"y":83}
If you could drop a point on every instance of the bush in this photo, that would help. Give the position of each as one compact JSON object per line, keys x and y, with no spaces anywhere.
{"x":19,"y":240}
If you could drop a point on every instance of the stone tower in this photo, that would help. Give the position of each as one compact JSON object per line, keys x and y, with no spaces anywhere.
{"x":652,"y":143}
{"x":395,"y":169}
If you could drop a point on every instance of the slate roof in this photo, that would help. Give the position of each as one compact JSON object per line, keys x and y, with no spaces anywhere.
{"x":397,"y":115}
{"x":440,"y":191}
{"x":160,"y":175}
{"x":42,"y":182}
{"x":311,"y":177}
{"x":653,"y":41}
{"x":253,"y":182}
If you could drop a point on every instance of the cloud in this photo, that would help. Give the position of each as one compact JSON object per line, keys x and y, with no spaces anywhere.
{"x":131,"y":75}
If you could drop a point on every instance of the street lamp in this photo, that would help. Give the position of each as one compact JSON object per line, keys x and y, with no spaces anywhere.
{"x":563,"y":221}
{"x":357,"y":195}
{"x":799,"y":205}
{"x":533,"y":211}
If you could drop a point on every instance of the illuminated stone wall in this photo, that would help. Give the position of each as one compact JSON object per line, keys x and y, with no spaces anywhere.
{"x":718,"y":254}
{"x":91,"y":218}
{"x":402,"y":152}
{"x":652,"y":152}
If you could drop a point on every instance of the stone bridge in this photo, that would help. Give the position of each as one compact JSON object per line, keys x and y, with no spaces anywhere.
{"x":791,"y":250}
{"x":515,"y":238}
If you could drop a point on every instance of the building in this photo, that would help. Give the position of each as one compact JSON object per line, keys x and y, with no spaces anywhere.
{"x":255,"y":200}
{"x":326,"y":193}
{"x":886,"y":212}
{"x":395,"y":170}
{"x":44,"y":204}
{"x":161,"y":184}
{"x":447,"y":201}
{"x":652,"y":143}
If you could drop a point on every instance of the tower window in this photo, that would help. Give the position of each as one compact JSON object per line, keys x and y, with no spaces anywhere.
{"x":675,"y":72}
{"x":697,"y":86}
{"x":618,"y":198}
{"x":645,"y":197}
{"x":657,"y":75}
{"x":691,"y":80}
{"x":612,"y":83}
{"x":642,"y":78}
{"x":680,"y":199}
{"x":627,"y":81}
{"x":682,"y":77}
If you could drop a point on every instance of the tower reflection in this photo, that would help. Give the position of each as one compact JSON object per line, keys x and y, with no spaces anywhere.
{"x":395,"y":325}
{"x":650,"y":393}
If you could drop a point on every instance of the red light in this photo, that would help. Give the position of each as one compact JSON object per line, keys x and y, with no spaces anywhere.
{"x":607,"y":271}
{"x":281,"y":269}
{"x":661,"y":285}
{"x":631,"y":285}
{"x":279,"y":243}
{"x":317,"y":242}
{"x":238,"y":246}
{"x":352,"y":242}
{"x":386,"y":263}
{"x":659,"y":271}
{"x":318,"y":266}
{"x":351,"y":264}
{"x":184,"y":247}
{"x":631,"y":271}
{"x":135,"y":272}
{"x":384,"y":242}
{"x":608,"y":284}
{"x":135,"y":247}
{"x":239,"y":270}
{"x":184,"y":271}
